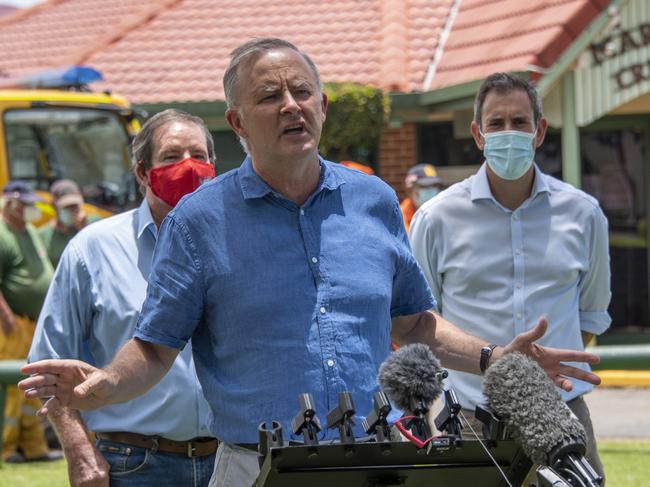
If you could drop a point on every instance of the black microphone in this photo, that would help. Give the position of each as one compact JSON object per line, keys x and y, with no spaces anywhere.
{"x":412,"y":379}
{"x":522,"y":395}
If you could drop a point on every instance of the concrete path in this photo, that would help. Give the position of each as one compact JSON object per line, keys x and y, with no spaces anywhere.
{"x":620,"y":412}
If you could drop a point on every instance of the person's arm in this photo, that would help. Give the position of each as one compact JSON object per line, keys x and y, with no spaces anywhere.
{"x":461,"y":351}
{"x":136,"y":368}
{"x":86,"y":465}
{"x":7,"y":318}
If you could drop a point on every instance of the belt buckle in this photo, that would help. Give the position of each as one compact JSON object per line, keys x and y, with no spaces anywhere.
{"x":191,"y":449}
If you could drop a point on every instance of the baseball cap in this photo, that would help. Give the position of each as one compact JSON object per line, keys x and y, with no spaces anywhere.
{"x":65,"y":192}
{"x":422,"y":174}
{"x":21,"y":191}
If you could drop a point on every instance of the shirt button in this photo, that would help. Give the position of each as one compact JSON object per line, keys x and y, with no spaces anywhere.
{"x":330,"y":363}
{"x":314,"y":260}
{"x":519,"y":285}
{"x":302,"y":212}
{"x":323,"y":310}
{"x":518,"y":251}
{"x":515,"y":216}
{"x":519,"y":316}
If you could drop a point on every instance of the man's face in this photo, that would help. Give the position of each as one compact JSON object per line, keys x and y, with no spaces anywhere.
{"x":173,"y":143}
{"x":281,"y":109}
{"x":508,"y":111}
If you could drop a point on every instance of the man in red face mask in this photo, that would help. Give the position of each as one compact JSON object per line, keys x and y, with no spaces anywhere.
{"x":91,"y":309}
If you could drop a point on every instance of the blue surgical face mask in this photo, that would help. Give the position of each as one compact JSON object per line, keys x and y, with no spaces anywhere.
{"x":65,"y":217}
{"x":425,"y":194}
{"x":509,"y":153}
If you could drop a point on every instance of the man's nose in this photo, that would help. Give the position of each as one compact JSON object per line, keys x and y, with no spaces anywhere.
{"x":289,"y":103}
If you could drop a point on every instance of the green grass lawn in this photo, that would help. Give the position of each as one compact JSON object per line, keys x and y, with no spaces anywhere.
{"x":626,"y":464}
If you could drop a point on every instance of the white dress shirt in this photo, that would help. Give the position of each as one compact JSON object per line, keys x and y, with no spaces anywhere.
{"x":494,"y":272}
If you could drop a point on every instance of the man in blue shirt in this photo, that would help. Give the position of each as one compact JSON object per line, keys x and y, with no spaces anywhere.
{"x":290,"y":275}
{"x":90,"y":311}
{"x":510,"y":243}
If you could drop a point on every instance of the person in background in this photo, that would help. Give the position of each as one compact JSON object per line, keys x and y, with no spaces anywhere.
{"x":422,"y":183}
{"x":92,"y":307}
{"x":70,"y":218}
{"x":511,"y":243}
{"x":25,"y":274}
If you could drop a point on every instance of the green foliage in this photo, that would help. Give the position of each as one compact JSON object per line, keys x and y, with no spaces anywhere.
{"x":355,"y":119}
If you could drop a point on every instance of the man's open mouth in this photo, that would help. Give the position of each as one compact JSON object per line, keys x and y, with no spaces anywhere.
{"x":294,"y":129}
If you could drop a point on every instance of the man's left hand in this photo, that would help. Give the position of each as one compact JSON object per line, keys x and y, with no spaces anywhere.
{"x":551,"y":359}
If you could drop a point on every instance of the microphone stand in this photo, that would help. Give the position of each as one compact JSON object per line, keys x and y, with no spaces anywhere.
{"x":447,"y":420}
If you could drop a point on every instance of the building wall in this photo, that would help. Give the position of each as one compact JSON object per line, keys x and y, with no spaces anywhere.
{"x":397,"y":153}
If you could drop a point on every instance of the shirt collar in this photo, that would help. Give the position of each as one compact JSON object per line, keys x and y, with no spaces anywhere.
{"x":145,"y":220}
{"x":253,"y":186}
{"x":481,"y":186}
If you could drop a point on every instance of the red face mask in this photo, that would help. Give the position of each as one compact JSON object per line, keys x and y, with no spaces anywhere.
{"x":171,"y":182}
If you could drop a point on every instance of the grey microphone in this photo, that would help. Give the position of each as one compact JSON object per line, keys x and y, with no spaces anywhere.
{"x":522,"y":395}
{"x":412,"y":379}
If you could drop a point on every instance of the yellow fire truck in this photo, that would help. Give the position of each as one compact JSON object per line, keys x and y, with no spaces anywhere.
{"x":52,"y":127}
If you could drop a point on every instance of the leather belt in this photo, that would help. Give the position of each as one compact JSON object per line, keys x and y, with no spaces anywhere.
{"x":196,"y":447}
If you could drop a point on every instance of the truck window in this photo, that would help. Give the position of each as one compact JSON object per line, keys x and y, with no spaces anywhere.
{"x":90,"y":146}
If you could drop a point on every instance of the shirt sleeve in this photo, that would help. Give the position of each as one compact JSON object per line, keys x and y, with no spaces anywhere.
{"x":426,"y":253}
{"x":411,"y":294}
{"x":62,"y":324}
{"x":176,"y":293}
{"x":594,"y":286}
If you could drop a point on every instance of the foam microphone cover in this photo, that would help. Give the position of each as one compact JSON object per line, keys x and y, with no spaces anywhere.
{"x":522,"y":395}
{"x":409,"y":377}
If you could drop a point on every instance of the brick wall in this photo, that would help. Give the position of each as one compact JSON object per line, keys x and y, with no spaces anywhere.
{"x":397,"y":153}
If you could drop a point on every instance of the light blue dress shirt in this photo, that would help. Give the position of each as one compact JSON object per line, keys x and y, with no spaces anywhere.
{"x":281,"y":299}
{"x":91,"y":310}
{"x":494,"y":272}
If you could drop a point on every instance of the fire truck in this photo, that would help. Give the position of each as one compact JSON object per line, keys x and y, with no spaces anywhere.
{"x":52,"y":127}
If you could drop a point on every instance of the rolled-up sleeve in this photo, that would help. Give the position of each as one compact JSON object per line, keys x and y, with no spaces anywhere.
{"x":426,"y":254}
{"x":175,"y":295}
{"x":595,"y":293}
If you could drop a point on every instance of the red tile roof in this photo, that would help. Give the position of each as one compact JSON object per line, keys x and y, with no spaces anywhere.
{"x":510,"y":35}
{"x":161,"y":51}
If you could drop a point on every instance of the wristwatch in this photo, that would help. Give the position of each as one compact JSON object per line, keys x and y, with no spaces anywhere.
{"x":486,"y":353}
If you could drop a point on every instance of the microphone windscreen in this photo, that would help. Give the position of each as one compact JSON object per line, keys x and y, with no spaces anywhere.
{"x":521,"y":394}
{"x":410,"y":377}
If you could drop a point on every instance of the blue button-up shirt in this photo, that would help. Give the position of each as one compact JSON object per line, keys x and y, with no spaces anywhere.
{"x":281,"y":299}
{"x":91,"y":310}
{"x":494,"y":271}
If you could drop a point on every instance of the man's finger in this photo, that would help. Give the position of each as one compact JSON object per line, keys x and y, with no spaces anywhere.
{"x":44,"y":391}
{"x":536,"y":332}
{"x":563,"y":383}
{"x":52,"y":404}
{"x":87,"y":387}
{"x":577,"y":373}
{"x":38,"y":380}
{"x":50,"y":366}
{"x":575,"y":356}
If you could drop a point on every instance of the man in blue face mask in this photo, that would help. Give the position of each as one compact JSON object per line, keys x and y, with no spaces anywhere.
{"x":510,"y":243}
{"x":422,"y":183}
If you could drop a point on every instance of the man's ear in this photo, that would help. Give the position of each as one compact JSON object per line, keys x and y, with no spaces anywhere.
{"x":234,"y":119}
{"x":324,"y":103}
{"x":141,"y":174}
{"x":476,"y":135}
{"x":541,"y":132}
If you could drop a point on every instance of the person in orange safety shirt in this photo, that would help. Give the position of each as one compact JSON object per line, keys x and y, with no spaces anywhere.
{"x":422,"y":183}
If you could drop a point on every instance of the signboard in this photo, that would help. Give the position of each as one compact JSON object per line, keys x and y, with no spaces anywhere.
{"x":615,"y":68}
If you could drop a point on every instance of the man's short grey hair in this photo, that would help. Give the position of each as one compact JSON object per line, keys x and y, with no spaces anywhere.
{"x":144,"y":142}
{"x":253,"y":49}
{"x":504,"y":83}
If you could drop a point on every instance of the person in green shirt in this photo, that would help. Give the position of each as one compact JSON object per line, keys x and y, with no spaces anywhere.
{"x":70,"y":218}
{"x":25,"y":275}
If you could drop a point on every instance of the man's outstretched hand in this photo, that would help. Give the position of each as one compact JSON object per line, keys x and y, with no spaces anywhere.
{"x":552,"y":359}
{"x":66,"y":383}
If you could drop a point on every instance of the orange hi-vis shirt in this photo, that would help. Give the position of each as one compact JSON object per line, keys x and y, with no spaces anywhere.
{"x":408,"y":210}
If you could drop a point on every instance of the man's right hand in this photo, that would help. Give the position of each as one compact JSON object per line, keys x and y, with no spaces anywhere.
{"x":67,"y":383}
{"x":88,"y":468}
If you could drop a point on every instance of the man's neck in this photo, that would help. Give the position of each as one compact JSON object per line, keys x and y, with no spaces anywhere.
{"x":295,"y":181}
{"x":511,"y":194}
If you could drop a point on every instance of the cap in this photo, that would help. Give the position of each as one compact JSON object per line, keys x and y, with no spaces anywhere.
{"x":423,"y":175}
{"x":65,"y":192}
{"x":358,"y":167}
{"x":21,"y":191}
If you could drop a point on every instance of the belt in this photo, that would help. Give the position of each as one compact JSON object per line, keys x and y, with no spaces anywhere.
{"x":196,"y":447}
